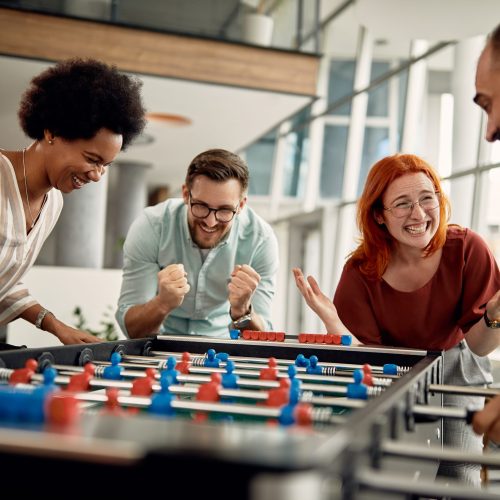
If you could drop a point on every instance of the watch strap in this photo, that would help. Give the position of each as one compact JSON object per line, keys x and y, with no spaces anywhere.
{"x":490,"y":323}
{"x":242,"y":321}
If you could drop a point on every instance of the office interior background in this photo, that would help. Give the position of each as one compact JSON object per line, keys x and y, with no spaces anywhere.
{"x":347,"y":83}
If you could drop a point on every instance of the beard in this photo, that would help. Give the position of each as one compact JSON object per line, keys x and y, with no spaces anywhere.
{"x":206,"y":240}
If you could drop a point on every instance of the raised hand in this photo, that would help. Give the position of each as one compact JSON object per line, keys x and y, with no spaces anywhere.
{"x":241,"y":287}
{"x":172,"y":286}
{"x":317,"y":300}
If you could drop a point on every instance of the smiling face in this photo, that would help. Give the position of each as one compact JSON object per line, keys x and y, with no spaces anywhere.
{"x":416,"y":229}
{"x":488,"y":92}
{"x":72,"y":164}
{"x":208,"y":232}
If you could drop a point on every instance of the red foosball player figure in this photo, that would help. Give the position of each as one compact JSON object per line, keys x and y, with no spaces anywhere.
{"x":23,"y":375}
{"x":367,"y":377}
{"x":281,"y":396}
{"x":81,"y":381}
{"x":270,"y":373}
{"x":112,"y":404}
{"x":143,"y":386}
{"x":208,"y":392}
{"x":62,"y":410}
{"x":183,"y":366}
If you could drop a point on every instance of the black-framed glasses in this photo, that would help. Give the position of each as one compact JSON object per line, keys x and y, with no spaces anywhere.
{"x":202,"y":211}
{"x":427,"y":203}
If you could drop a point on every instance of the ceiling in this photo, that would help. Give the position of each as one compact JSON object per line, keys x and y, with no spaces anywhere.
{"x":221,"y":117}
{"x":230,"y":117}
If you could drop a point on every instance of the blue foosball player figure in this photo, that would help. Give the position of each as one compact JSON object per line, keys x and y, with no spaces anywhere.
{"x":171,"y":371}
{"x":314,"y":368}
{"x":161,"y":402}
{"x":211,"y":361}
{"x":229,"y":379}
{"x":113,"y":372}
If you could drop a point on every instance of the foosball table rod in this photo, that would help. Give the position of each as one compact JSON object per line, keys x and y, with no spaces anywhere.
{"x":194,"y":370}
{"x":337,"y":390}
{"x":385,"y":370}
{"x":462,"y":390}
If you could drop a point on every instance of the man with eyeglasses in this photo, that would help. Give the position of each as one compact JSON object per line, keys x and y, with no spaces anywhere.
{"x":201,"y":264}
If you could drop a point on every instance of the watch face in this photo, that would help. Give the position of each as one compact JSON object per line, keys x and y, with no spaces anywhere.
{"x":242,"y":323}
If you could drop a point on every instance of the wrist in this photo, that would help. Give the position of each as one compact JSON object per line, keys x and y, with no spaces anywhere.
{"x":45,"y":320}
{"x":161,"y":307}
{"x":237,"y":312}
{"x":490,"y":323}
{"x":241,"y":322}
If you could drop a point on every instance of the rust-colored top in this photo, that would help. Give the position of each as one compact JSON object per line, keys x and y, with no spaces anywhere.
{"x":433,"y":317}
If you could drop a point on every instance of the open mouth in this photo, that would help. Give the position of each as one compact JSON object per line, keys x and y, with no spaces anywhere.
{"x":77,"y":182}
{"x":417,"y":229}
{"x":208,"y":230}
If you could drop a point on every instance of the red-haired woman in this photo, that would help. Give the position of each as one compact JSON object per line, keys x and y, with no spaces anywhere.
{"x":415,"y":281}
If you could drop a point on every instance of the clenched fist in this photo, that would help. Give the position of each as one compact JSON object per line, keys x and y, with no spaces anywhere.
{"x":242,"y":286}
{"x":172,"y":286}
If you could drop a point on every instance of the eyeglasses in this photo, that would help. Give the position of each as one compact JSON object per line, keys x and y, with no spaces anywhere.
{"x":202,"y":211}
{"x":427,"y":203}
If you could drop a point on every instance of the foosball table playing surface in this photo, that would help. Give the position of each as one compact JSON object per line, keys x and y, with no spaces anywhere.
{"x":225,"y":418}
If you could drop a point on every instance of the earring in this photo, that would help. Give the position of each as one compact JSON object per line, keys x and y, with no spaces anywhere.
{"x":51,"y":141}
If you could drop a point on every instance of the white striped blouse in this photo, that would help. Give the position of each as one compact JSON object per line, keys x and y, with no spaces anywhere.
{"x":18,"y":250}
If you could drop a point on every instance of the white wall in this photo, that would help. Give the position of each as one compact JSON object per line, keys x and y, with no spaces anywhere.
{"x":61,"y":289}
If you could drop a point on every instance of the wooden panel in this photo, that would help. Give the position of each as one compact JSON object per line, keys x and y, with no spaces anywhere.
{"x":53,"y":38}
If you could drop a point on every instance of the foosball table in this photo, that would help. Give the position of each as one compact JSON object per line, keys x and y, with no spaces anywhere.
{"x":241,"y":418}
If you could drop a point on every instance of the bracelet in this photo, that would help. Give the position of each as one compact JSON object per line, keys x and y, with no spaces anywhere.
{"x":41,"y":317}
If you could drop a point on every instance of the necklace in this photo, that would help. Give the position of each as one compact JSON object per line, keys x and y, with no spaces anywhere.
{"x":27,"y":196}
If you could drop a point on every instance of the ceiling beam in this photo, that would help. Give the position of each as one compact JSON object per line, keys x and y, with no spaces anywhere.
{"x":54,"y":38}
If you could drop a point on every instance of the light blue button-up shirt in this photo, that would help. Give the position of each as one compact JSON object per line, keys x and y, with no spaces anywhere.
{"x":160,"y":236}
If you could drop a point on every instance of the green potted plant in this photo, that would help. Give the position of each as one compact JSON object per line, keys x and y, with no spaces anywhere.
{"x":107,"y":331}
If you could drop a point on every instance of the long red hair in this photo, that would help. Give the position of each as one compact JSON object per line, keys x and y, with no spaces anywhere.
{"x":376,"y":244}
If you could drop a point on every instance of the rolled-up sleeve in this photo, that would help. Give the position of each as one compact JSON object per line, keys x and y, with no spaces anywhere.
{"x":140,"y":267}
{"x":15,"y":303}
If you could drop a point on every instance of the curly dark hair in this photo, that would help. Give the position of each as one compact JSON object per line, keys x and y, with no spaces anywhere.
{"x":76,"y":98}
{"x":219,"y":165}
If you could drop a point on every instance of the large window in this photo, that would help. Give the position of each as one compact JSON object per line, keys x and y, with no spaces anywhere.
{"x":259,"y":158}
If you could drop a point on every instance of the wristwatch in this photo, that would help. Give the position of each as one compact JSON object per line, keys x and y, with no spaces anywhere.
{"x":491,"y":323}
{"x":242,"y":322}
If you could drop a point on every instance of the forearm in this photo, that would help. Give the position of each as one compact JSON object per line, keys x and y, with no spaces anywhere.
{"x":257,"y":323}
{"x":146,"y":319}
{"x":49,"y":323}
{"x":481,"y":339}
{"x":333,"y":324}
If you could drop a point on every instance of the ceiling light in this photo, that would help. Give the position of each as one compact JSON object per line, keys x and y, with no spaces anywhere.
{"x":168,"y":119}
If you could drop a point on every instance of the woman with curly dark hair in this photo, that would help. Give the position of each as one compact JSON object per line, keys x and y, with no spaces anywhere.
{"x":80,"y":114}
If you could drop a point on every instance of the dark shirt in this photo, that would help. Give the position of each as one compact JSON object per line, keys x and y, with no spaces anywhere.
{"x":433,"y":317}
